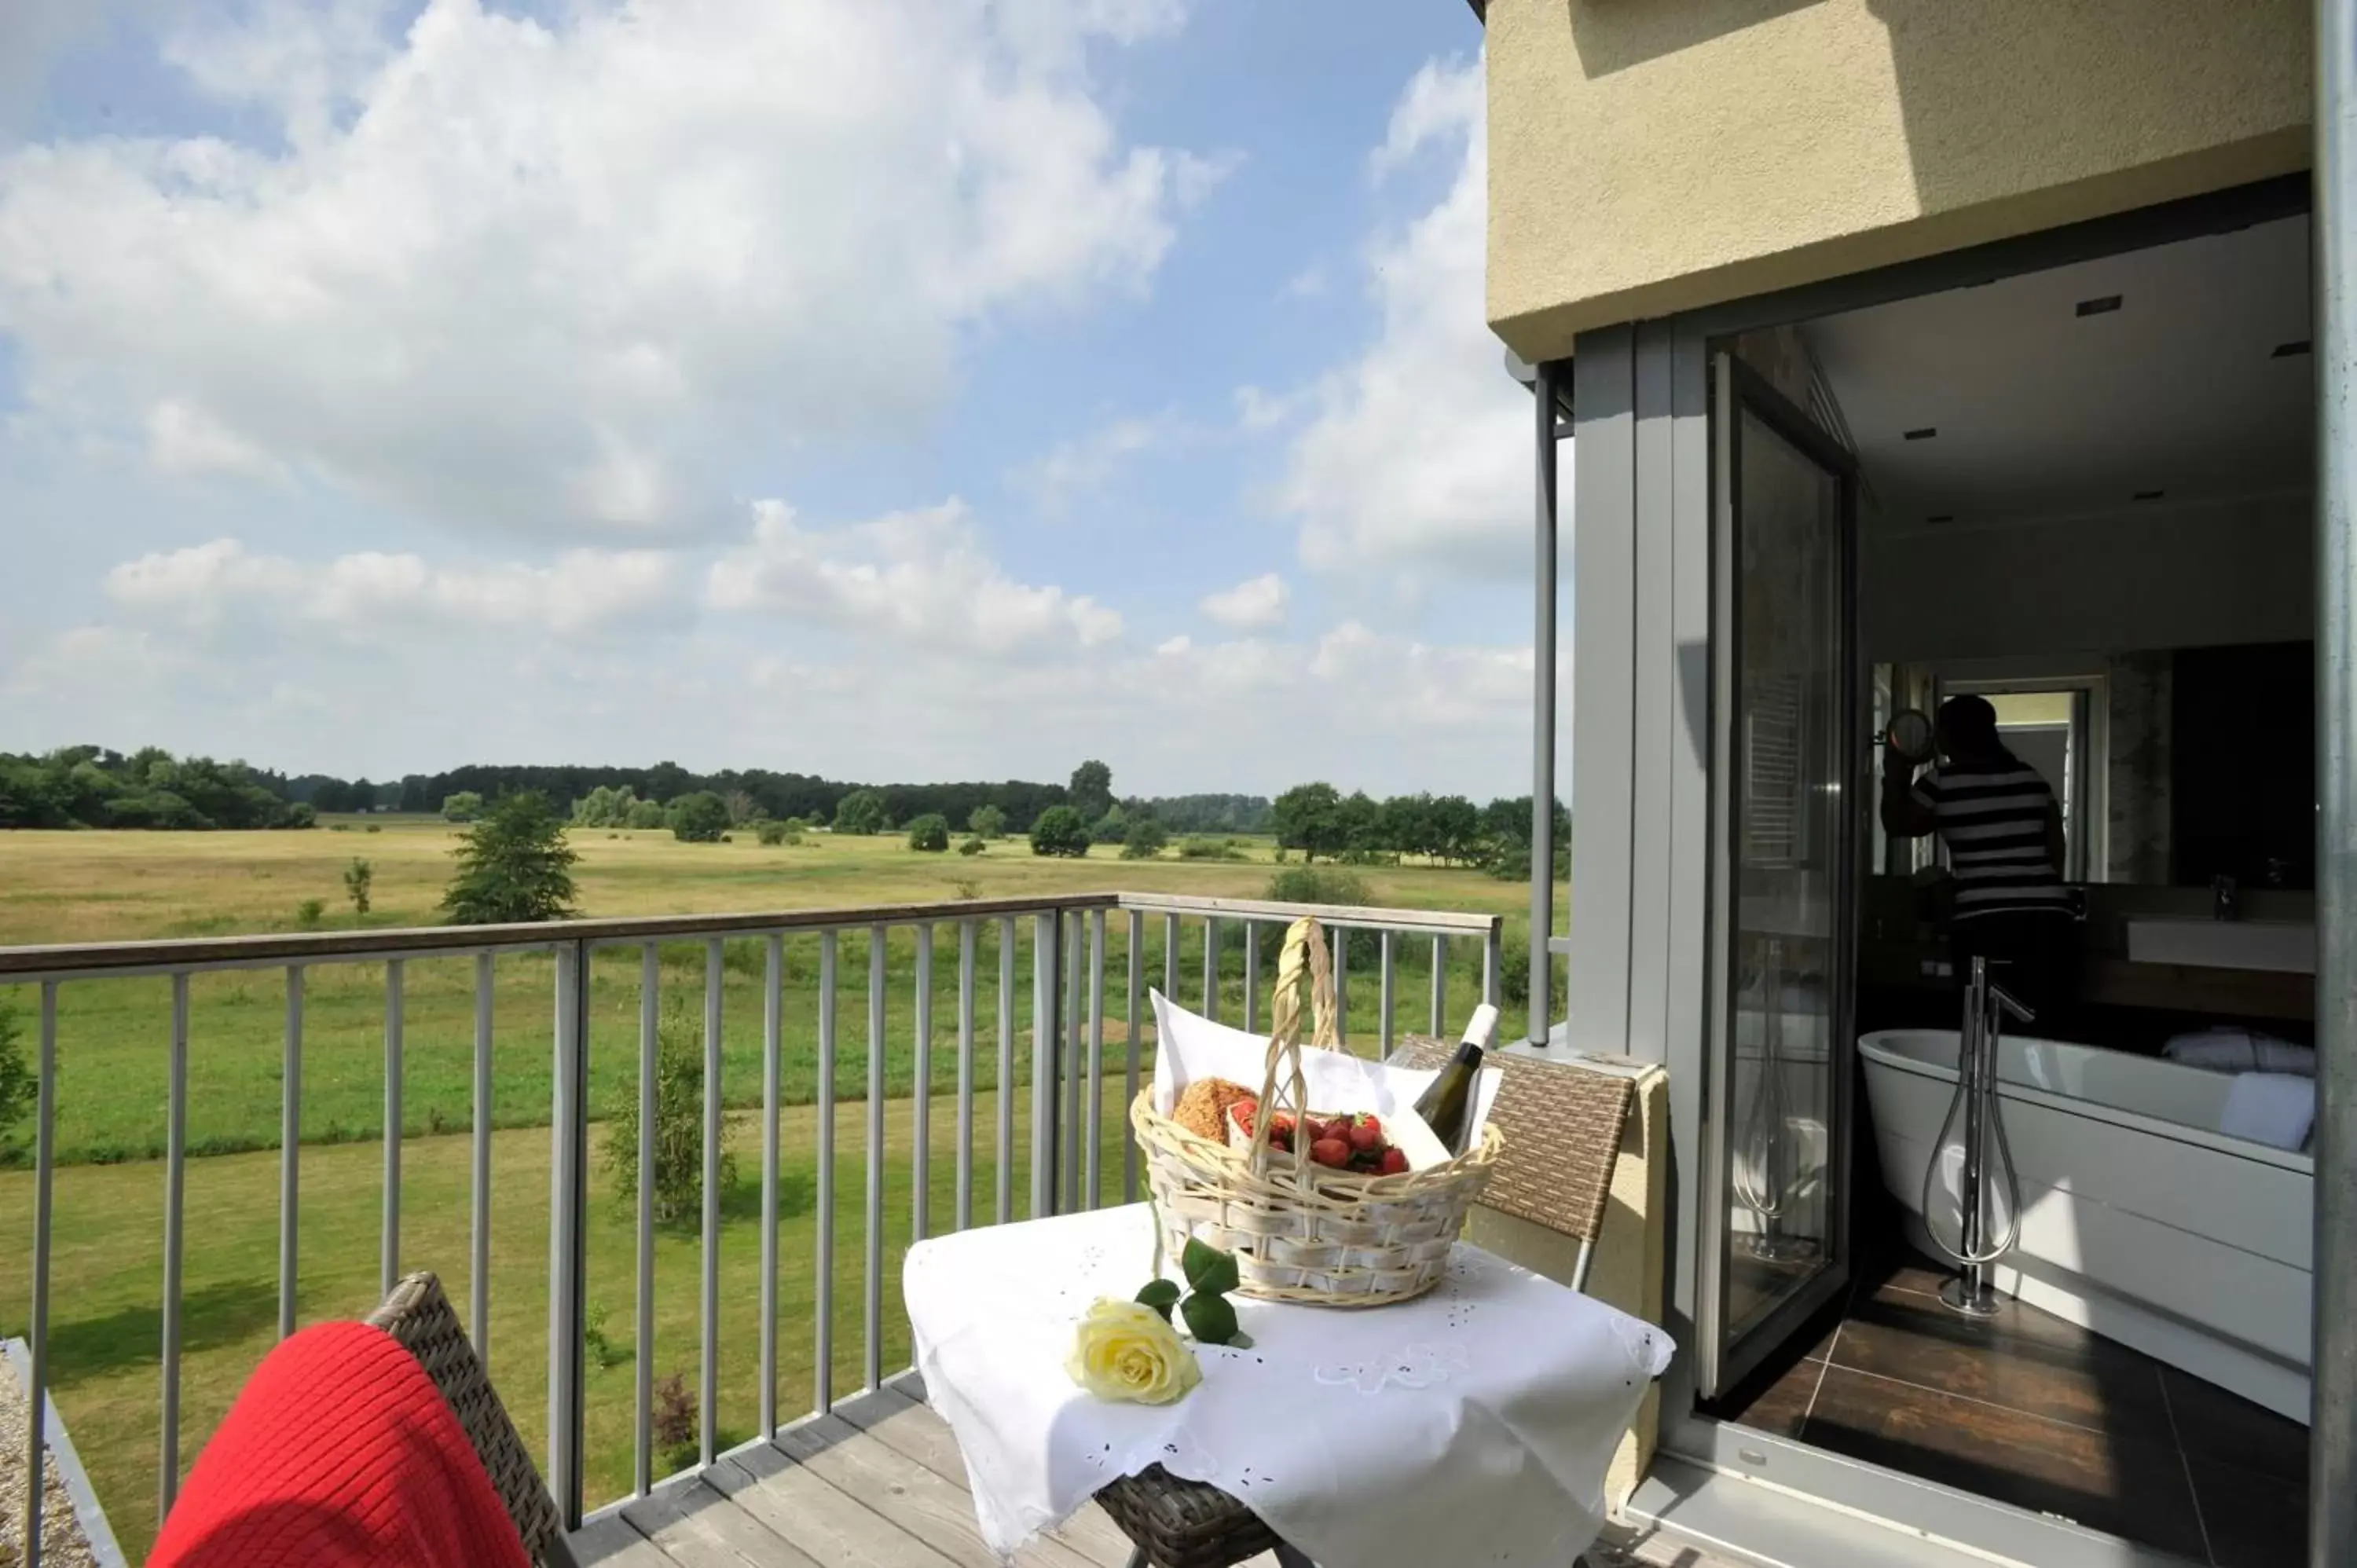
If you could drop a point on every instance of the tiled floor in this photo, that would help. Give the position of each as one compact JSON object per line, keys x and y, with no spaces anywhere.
{"x":2045,"y":1415}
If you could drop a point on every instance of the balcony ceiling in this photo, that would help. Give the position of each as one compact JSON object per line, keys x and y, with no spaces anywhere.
{"x":2041,"y":412}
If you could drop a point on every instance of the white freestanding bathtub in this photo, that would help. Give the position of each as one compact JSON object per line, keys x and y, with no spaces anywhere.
{"x":2140,"y":1221}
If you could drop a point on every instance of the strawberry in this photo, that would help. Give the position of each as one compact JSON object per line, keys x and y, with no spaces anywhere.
{"x":1331,"y":1151}
{"x":1243,"y":1111}
{"x":1366,"y":1134}
{"x":1395,"y":1161}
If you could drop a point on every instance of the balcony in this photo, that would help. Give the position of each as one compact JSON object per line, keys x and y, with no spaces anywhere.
{"x":707,"y":1378}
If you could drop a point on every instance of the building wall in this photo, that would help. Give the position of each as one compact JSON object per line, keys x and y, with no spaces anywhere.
{"x":1653,"y":156}
{"x":2197,"y":576}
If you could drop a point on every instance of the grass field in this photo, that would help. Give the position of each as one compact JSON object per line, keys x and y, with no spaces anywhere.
{"x":58,"y":887}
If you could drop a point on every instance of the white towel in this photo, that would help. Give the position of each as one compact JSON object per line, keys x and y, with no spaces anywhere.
{"x":2230,"y":1049}
{"x":2271,"y":1108}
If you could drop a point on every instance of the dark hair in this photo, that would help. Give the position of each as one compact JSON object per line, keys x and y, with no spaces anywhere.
{"x":1970,"y":723}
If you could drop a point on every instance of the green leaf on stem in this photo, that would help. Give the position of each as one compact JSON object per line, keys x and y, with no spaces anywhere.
{"x":1208,"y":1270}
{"x":1161,"y":1296}
{"x":1210,"y":1318}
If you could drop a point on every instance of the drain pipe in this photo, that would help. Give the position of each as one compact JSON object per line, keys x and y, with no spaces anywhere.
{"x":2332,"y":1425}
{"x":1543,"y":651}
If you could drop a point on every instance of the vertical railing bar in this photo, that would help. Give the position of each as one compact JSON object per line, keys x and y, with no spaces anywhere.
{"x":389,"y":1248}
{"x":1069,"y":1144}
{"x":1492,"y":957}
{"x":1439,"y":987}
{"x":707,"y":1403}
{"x":1390,"y":965}
{"x":1171,"y":956}
{"x":1341,"y":939}
{"x":45,"y":1163}
{"x":1251,"y":977}
{"x":479,"y":1195}
{"x":967,"y":935}
{"x":176,"y":1158}
{"x":290,"y":1153}
{"x":1046,"y":934}
{"x":1137,"y":1031}
{"x":568,"y":1229}
{"x":1007,"y":938}
{"x":823,"y":1371}
{"x":643,"y":1357}
{"x":773,"y":1033}
{"x":1211,"y":967}
{"x":873,"y":1292}
{"x":1096,"y":1060}
{"x":920,"y":1176}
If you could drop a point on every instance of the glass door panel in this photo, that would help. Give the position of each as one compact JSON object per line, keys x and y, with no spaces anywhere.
{"x":1780,"y":1058}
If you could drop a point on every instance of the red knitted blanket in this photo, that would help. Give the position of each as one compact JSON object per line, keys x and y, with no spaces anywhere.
{"x":339,"y":1451}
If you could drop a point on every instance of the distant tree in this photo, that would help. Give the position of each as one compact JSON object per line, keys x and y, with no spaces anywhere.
{"x":742,"y":808}
{"x":645,"y":814}
{"x":607,"y":807}
{"x":861,"y":812}
{"x":19,"y":1086}
{"x":298,"y":814}
{"x":359,"y":876}
{"x":1307,"y":817}
{"x":1360,"y":822}
{"x":332,"y":795}
{"x":1406,"y":825}
{"x":1060,"y":831}
{"x":513,"y":865}
{"x":463,"y":807}
{"x":1452,"y":829}
{"x":987,"y":822}
{"x":1111,"y":828}
{"x":774,"y":832}
{"x":699,"y":817}
{"x":972,"y":846}
{"x":1092,"y":791}
{"x":1146,"y":839}
{"x":930,"y":832}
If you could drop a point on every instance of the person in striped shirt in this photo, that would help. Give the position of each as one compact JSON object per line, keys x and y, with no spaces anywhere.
{"x":2003,"y":831}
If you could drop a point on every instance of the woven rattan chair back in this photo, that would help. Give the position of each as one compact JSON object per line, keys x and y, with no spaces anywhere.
{"x":418,"y":1316}
{"x":1563,"y":1123}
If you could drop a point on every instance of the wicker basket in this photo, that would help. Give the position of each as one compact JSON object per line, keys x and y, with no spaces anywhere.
{"x":1301,"y":1231}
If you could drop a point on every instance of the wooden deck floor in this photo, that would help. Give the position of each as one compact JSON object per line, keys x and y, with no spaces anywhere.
{"x":879,"y":1484}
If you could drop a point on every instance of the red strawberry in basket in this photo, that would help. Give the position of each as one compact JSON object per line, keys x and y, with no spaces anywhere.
{"x":1366,"y":1133}
{"x":1331,"y":1151}
{"x":1395,"y":1161}
{"x":1243,"y":1111}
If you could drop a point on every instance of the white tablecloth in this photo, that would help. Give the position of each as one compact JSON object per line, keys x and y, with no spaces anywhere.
{"x":1473,"y":1426}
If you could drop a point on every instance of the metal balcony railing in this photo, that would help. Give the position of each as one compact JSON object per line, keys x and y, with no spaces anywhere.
{"x":1068,"y":942}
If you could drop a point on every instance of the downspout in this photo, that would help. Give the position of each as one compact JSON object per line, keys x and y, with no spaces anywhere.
{"x":2332,"y":1456}
{"x":1543,"y":714}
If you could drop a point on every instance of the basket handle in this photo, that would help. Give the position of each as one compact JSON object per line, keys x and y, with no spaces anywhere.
{"x":1303,"y":964}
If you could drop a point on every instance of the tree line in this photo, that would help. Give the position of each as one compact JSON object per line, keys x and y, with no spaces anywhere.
{"x":92,"y":787}
{"x":1317,"y":819}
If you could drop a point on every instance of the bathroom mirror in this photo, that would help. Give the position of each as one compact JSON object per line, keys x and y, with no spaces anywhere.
{"x":1910,"y":735}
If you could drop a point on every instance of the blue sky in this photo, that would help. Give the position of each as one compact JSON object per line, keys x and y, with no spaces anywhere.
{"x":882,"y":388}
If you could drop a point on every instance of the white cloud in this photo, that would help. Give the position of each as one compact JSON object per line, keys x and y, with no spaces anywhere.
{"x":1417,"y":457}
{"x":547,"y":276}
{"x":221,"y":585}
{"x":1252,"y":604}
{"x":919,"y":579}
{"x":1074,"y":469}
{"x":183,"y":441}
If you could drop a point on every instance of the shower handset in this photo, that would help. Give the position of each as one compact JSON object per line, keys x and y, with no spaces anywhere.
{"x":1986,"y":1002}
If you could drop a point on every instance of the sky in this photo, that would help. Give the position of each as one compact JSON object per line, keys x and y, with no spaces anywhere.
{"x":891,"y":389}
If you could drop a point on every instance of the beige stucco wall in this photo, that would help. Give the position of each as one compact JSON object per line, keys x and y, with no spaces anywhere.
{"x":1653,"y":156}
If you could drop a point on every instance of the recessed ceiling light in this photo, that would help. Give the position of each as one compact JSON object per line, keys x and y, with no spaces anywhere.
{"x":1923,"y":435}
{"x":2103,"y":307}
{"x":2149,"y":494}
{"x":1942,"y":517}
{"x":2289,"y":351}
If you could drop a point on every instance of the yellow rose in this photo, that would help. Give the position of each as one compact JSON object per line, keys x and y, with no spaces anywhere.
{"x":1123,"y":1351}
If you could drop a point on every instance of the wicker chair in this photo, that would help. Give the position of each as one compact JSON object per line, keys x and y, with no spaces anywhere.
{"x":1563,"y":1125}
{"x":420,"y":1318}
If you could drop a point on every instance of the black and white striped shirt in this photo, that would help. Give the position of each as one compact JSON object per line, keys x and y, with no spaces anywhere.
{"x":1994,"y":823}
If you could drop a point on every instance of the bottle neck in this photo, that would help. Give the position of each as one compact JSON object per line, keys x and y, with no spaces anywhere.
{"x":1469,"y":1054}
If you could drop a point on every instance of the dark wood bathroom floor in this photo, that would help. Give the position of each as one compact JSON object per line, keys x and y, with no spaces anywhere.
{"x":2038,"y":1413}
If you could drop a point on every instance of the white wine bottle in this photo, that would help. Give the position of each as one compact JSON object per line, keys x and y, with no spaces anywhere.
{"x":1448,"y":1105}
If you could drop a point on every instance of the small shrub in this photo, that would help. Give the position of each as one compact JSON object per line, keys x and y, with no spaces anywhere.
{"x":699,"y":818}
{"x":973,"y":845}
{"x":462,"y":807}
{"x":861,"y":812}
{"x":929,"y":834}
{"x":376,"y":827}
{"x":1282,"y":854}
{"x":644,"y":814}
{"x":675,"y":1421}
{"x":357,"y":877}
{"x":727,"y":838}
{"x":309,"y":913}
{"x":1062,"y":832}
{"x":603,"y":1352}
{"x":773,"y":833}
{"x":679,"y":1124}
{"x":340,"y":827}
{"x":1319,"y":885}
{"x":966,"y":887}
{"x":987,"y":822}
{"x":19,"y":1086}
{"x":795,"y":828}
{"x":513,"y":865}
{"x":1200,"y":847}
{"x":1144,"y":839}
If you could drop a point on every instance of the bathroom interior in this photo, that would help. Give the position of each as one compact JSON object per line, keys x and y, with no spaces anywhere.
{"x":2087,"y":494}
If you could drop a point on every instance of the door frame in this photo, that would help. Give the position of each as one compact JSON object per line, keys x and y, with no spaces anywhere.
{"x":1645,"y":860}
